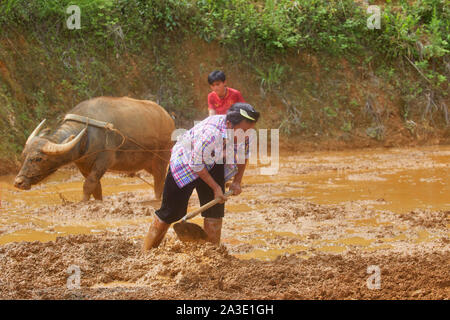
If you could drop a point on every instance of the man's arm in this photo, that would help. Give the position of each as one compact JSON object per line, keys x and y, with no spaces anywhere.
{"x":211,"y":105}
{"x":203,"y":139}
{"x":237,"y":180}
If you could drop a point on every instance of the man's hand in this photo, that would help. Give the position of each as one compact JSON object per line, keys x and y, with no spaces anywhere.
{"x":218,"y":194}
{"x":236,"y":187}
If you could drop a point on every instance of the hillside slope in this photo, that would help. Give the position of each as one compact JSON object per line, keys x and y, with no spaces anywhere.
{"x":314,"y":68}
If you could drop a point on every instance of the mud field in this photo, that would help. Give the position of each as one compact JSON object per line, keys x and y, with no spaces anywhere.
{"x":310,"y":232}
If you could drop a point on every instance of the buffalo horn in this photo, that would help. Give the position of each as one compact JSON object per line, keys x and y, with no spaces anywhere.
{"x":35,"y":131}
{"x":51,"y":148}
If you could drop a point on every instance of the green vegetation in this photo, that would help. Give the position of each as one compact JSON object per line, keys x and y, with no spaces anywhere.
{"x":134,"y":47}
{"x":336,"y":26}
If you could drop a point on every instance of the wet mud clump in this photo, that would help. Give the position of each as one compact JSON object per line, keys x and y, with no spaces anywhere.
{"x":114,"y":267}
{"x":368,"y":224}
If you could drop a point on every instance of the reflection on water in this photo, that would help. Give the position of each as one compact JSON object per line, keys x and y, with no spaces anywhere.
{"x":63,"y":185}
{"x":41,"y":235}
{"x":400,"y":192}
{"x":271,"y":254}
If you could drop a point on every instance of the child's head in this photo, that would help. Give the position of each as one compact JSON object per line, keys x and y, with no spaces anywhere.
{"x":216,"y":80}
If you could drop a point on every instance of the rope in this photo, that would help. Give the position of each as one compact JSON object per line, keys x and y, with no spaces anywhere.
{"x":124,"y":138}
{"x":137,"y":176}
{"x":110,"y":127}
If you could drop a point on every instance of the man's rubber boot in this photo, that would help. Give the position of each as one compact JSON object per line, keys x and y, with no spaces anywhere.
{"x":213,"y":229}
{"x":155,"y":233}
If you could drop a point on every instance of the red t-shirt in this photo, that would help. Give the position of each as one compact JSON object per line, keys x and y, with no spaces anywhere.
{"x":221,"y":106}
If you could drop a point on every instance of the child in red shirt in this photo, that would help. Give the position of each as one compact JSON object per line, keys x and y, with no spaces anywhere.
{"x":222,"y":97}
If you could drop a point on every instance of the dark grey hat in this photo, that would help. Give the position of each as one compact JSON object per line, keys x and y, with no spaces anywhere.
{"x":242,"y":111}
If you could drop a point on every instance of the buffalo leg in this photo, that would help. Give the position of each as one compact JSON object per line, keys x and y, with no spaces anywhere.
{"x":158,"y":170}
{"x":85,"y":174}
{"x":156,"y":184}
{"x":98,"y":192}
{"x":92,"y":183}
{"x":92,"y":186}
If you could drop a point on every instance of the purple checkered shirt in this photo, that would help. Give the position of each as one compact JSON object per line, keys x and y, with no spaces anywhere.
{"x":201,"y":147}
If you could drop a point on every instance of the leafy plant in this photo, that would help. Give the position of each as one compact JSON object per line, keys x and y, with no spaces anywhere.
{"x":271,"y":77}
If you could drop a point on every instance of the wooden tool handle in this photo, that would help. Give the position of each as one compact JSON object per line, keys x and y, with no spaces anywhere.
{"x":206,"y":206}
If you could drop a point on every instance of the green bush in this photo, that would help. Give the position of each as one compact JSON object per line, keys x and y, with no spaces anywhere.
{"x":270,"y":26}
{"x":259,"y":33}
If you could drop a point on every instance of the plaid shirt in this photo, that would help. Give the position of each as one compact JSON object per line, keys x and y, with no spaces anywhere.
{"x":204,"y":145}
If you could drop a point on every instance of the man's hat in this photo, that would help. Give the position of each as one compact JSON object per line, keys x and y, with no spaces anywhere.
{"x":245,"y":110}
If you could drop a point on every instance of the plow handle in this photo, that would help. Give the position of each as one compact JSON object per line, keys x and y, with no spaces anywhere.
{"x":206,"y":206}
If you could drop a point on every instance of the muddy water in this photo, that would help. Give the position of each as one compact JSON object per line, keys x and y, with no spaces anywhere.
{"x":64,"y":187}
{"x":364,"y":200}
{"x":369,"y":175}
{"x":367,"y":195}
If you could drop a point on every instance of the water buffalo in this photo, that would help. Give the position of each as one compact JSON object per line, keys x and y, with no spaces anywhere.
{"x":133,"y":125}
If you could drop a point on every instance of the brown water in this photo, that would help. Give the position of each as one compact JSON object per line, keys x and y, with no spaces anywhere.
{"x":62,"y":187}
{"x":369,"y":175}
{"x":376,"y":181}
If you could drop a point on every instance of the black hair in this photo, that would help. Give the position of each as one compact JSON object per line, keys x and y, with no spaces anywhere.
{"x":216,"y":75}
{"x":234,"y":113}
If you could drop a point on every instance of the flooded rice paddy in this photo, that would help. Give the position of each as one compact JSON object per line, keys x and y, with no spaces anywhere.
{"x":308,"y":232}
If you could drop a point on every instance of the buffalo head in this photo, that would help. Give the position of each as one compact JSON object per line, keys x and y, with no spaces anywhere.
{"x":42,"y":157}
